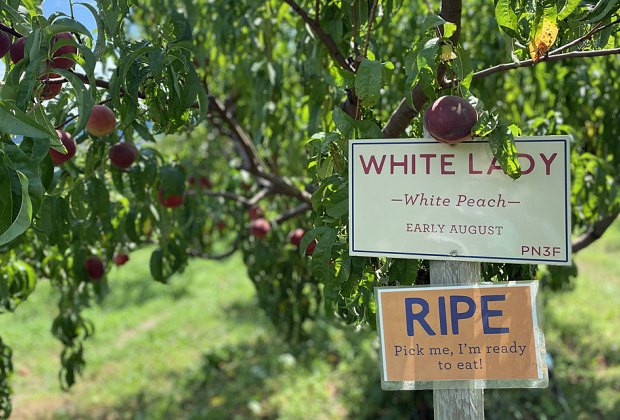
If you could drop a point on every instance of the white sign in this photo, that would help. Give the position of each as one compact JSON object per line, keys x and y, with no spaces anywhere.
{"x":418,"y":198}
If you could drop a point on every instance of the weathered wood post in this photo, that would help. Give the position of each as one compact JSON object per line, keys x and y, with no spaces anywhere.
{"x":455,"y":404}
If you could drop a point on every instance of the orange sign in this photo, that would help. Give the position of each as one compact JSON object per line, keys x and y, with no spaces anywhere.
{"x":460,"y":333}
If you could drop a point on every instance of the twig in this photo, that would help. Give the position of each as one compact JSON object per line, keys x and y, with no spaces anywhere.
{"x":228,"y":195}
{"x":10,"y":30}
{"x":556,"y":57}
{"x":233,"y":248}
{"x":243,"y":138}
{"x":588,"y":35}
{"x":323,"y":36}
{"x":302,"y":208}
{"x":317,"y":11}
{"x":595,"y":232}
{"x":259,"y":196}
{"x":370,"y":21}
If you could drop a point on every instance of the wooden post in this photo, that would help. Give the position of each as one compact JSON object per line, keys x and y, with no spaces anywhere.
{"x":456,"y":404}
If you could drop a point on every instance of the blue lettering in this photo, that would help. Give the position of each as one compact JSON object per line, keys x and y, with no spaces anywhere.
{"x":455,"y":315}
{"x":488,"y":313}
{"x":411,"y":316}
{"x":443,"y":324}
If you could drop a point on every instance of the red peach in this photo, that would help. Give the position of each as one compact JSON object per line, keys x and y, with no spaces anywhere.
{"x":101,"y":122}
{"x":67,"y":141}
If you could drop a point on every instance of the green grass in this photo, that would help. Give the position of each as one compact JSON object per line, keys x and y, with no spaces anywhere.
{"x":196,"y":348}
{"x":201,"y":348}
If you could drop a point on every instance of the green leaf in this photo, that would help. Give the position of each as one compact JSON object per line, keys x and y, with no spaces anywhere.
{"x":503,"y":146}
{"x":16,"y":122}
{"x":98,"y":198}
{"x":368,"y":129}
{"x":342,"y":78}
{"x":431,"y":21}
{"x":338,"y":209}
{"x":67,"y":25}
{"x":85,"y":97}
{"x":34,"y":51}
{"x":506,"y":17}
{"x":100,"y":44}
{"x":144,"y":132}
{"x":33,"y":7}
{"x":368,"y":82}
{"x":568,"y":8}
{"x":487,"y":122}
{"x":172,"y":180}
{"x":426,"y":63}
{"x":182,"y":29}
{"x":449,"y":29}
{"x":19,"y":21}
{"x":156,"y":62}
{"x":463,"y":68}
{"x":404,"y":271}
{"x":598,"y":15}
{"x":6,"y":196}
{"x":388,"y":72}
{"x":24,"y":215}
{"x":156,"y":265}
{"x":22,"y":163}
{"x":344,"y":123}
{"x":326,"y":237}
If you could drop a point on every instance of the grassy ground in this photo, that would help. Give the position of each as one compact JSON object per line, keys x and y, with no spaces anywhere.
{"x":200,"y":348}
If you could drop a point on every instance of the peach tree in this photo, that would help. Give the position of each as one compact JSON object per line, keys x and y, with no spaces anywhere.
{"x":206,"y":128}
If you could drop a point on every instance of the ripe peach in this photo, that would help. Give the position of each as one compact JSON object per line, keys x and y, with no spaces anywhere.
{"x":295,"y":236}
{"x":94,"y":267}
{"x":170,"y":201}
{"x":101,"y":122}
{"x":255,"y":212}
{"x":6,"y":40}
{"x":17,"y":50}
{"x":260,"y":228}
{"x":123,"y":155}
{"x":67,"y":141}
{"x":121,"y":258}
{"x":450,"y":119}
{"x":50,"y":90}
{"x":311,"y":246}
{"x":61,"y":62}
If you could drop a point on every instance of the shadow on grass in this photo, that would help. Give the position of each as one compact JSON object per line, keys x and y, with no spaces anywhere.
{"x":136,"y":292}
{"x":256,"y":379}
{"x":249,"y":379}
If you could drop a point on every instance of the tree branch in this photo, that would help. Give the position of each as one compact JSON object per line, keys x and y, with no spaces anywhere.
{"x":404,"y":114}
{"x":302,"y":208}
{"x":370,"y":21}
{"x":551,"y":58}
{"x":225,"y":194}
{"x":588,"y":35}
{"x":451,"y":11}
{"x":279,"y":185}
{"x":10,"y":30}
{"x":595,"y":232}
{"x":243,"y":138}
{"x":233,"y":248}
{"x":325,"y":38}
